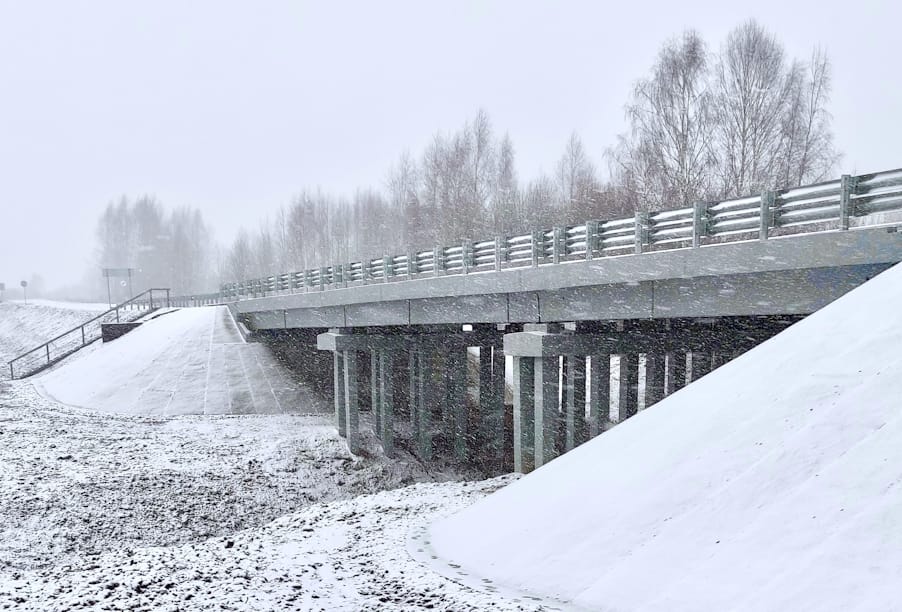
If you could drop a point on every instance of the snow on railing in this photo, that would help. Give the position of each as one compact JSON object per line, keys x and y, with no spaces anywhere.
{"x":812,"y":208}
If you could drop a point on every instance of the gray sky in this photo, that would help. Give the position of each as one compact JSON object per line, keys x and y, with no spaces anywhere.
{"x":232,"y":107}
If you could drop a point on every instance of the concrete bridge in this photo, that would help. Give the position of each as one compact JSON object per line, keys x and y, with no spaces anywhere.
{"x":649,"y":303}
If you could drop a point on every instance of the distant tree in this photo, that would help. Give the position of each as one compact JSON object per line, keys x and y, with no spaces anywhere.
{"x":576,"y":180}
{"x":504,"y":214}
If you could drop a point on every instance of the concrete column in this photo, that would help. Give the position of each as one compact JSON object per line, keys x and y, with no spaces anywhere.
{"x":654,"y":379}
{"x":386,"y":403}
{"x":491,"y":403}
{"x":499,"y":431}
{"x":628,"y":393}
{"x":352,"y":408}
{"x":413,"y":388}
{"x":457,"y":398}
{"x":375,"y":403}
{"x":425,"y":402}
{"x":575,"y":411}
{"x":718,"y":358}
{"x":699,"y":365}
{"x":599,"y":393}
{"x":524,"y":414}
{"x":675,"y":377}
{"x":547,"y":412}
{"x":339,"y":387}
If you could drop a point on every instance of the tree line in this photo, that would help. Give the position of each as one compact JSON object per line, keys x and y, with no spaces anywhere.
{"x":703,"y":124}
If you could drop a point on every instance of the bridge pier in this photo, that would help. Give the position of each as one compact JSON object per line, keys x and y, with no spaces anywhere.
{"x":654,"y":359}
{"x":434,"y":389}
{"x":562,"y":394}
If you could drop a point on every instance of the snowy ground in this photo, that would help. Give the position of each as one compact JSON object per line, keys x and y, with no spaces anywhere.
{"x":188,"y":361}
{"x":122,"y":512}
{"x":22,"y":327}
{"x":772,"y":483}
{"x":200,"y":512}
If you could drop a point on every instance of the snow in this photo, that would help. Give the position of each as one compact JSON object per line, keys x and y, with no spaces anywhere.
{"x":23,"y":327}
{"x":101,"y":511}
{"x":187,"y":361}
{"x":770,"y":484}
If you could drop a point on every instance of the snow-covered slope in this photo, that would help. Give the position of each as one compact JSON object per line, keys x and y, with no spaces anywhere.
{"x":24,"y":326}
{"x":190,"y":361}
{"x":771,"y":484}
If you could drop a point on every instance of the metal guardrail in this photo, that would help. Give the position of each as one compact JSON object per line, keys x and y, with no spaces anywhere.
{"x":63,"y":345}
{"x":829,"y":206}
{"x":191,"y":301}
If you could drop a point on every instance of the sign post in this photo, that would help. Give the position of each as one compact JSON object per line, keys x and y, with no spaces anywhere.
{"x":24,"y":285}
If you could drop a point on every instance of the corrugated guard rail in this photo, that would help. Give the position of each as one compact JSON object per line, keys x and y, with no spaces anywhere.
{"x":840,"y":204}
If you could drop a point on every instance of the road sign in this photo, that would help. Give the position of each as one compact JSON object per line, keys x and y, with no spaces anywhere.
{"x":23,"y":284}
{"x":117,"y":272}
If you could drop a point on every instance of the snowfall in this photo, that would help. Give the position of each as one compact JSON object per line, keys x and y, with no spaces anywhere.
{"x":190,"y":475}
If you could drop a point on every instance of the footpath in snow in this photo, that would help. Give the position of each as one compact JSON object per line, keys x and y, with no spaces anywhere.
{"x":189,"y":361}
{"x":771,"y":484}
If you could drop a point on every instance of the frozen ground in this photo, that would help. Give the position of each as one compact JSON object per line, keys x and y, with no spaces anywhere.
{"x":189,"y":361}
{"x":773,"y":483}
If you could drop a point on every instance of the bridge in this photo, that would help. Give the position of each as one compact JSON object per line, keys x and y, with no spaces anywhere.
{"x":601,"y":319}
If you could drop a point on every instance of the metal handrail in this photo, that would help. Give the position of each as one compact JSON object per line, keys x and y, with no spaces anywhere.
{"x":143,"y":303}
{"x":824,"y":206}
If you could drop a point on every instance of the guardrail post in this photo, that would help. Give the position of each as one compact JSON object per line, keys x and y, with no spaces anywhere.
{"x":699,"y":223}
{"x":641,"y":230}
{"x":556,"y":234}
{"x":167,"y":299}
{"x":411,"y":264}
{"x":386,"y":267}
{"x":534,"y":248}
{"x":322,"y":279}
{"x":591,"y":238}
{"x":847,"y":188}
{"x":464,"y":257}
{"x":437,"y":261}
{"x":499,"y":241}
{"x":768,"y":198}
{"x":82,"y":335}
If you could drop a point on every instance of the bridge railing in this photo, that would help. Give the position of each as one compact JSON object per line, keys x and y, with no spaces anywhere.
{"x":841,"y":204}
{"x":68,"y":342}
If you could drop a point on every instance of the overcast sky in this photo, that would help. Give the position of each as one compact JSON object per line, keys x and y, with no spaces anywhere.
{"x":232,"y":107}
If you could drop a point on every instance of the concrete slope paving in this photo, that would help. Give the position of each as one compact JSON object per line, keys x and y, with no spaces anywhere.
{"x":190,"y":361}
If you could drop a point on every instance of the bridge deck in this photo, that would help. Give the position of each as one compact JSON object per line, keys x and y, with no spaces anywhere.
{"x":788,"y":275}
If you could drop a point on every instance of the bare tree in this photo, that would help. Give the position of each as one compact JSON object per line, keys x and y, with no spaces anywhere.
{"x":504,"y":201}
{"x":752,"y":89}
{"x":807,"y":154}
{"x":667,"y":157}
{"x":576,"y":179}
